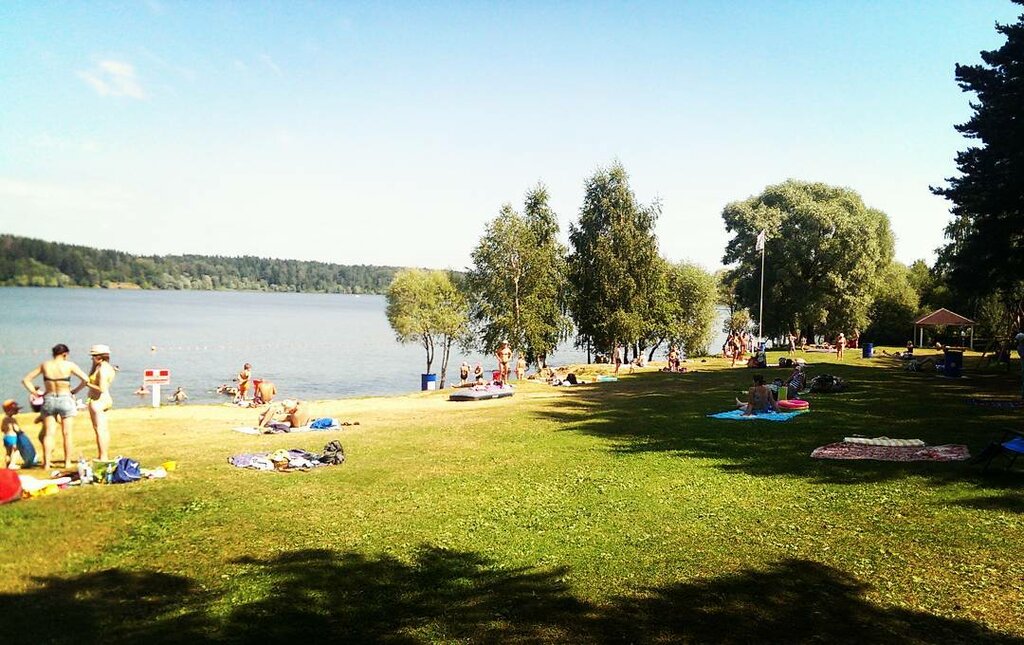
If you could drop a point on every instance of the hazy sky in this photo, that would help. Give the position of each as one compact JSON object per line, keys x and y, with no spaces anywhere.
{"x":391,"y":132}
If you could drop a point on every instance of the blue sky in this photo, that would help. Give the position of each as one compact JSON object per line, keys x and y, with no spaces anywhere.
{"x":390,"y":133}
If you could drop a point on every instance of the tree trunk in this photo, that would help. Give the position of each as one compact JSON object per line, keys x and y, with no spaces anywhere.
{"x":654,"y":348}
{"x":447,"y":344}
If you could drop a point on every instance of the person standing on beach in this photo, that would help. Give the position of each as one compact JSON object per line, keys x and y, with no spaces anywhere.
{"x":478,"y":374}
{"x":791,"y":342}
{"x":504,"y":357}
{"x":463,"y":373}
{"x":520,"y":368}
{"x":620,"y":356}
{"x":840,"y":345}
{"x":100,"y":401}
{"x":58,"y":401}
{"x":243,"y":381}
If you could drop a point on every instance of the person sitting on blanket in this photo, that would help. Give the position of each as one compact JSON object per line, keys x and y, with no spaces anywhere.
{"x":796,"y":381}
{"x":291,"y":411}
{"x":759,"y":398}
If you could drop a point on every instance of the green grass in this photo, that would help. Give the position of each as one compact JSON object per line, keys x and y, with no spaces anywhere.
{"x":604,"y":513}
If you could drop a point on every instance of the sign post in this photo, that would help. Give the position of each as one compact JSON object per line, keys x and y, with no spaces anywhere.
{"x":155,"y":377}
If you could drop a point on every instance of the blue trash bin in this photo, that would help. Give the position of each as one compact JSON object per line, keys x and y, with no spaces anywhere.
{"x":868,"y":350}
{"x":428,"y":382}
{"x":953,"y":364}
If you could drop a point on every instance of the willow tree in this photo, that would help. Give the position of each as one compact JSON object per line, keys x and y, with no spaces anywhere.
{"x":613,"y":266}
{"x":517,"y":280}
{"x":825,"y":252}
{"x":427,"y":308}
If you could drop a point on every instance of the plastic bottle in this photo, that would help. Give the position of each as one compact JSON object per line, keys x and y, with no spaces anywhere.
{"x":84,"y":471}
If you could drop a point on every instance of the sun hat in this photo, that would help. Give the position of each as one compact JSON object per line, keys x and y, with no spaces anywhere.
{"x":99,"y":349}
{"x":11,"y":404}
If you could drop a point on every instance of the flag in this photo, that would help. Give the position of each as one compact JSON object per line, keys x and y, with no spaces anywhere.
{"x":760,"y":241}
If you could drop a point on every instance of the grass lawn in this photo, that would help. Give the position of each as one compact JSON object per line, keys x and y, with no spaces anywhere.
{"x":600,"y":513}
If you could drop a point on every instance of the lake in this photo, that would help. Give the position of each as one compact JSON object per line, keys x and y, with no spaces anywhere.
{"x":313,"y":346}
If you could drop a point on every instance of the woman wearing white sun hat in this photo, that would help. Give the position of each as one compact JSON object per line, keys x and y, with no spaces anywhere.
{"x":101,"y":377}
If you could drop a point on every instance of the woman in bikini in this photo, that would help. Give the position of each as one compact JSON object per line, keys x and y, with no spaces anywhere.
{"x":100,"y":401}
{"x":759,"y":398}
{"x":58,"y":400}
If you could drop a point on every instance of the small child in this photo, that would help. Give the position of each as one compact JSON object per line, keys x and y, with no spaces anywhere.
{"x":11,"y":430}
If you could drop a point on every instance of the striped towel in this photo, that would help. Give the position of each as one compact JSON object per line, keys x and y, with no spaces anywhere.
{"x":884,"y":441}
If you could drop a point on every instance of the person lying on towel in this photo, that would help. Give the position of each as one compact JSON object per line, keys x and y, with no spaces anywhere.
{"x":291,"y":411}
{"x":759,"y":398}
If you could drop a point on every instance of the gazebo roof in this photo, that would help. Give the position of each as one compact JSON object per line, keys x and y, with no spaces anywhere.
{"x":944,"y":316}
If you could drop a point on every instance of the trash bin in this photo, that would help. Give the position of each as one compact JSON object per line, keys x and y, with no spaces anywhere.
{"x":428,"y":382}
{"x":953,"y":364}
{"x":868,"y":350}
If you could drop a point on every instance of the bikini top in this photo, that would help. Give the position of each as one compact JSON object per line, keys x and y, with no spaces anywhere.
{"x":47,"y":378}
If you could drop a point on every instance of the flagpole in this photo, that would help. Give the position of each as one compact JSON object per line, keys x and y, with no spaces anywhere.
{"x":760,"y":313}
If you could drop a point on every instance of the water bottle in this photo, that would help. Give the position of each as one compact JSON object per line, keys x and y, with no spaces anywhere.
{"x":84,"y":471}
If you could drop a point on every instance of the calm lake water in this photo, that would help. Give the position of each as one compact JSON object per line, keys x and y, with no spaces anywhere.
{"x":314,"y":346}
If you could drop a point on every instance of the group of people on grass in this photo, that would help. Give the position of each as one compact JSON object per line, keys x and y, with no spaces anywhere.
{"x":294,"y":413}
{"x":55,"y":402}
{"x":763,"y":398}
{"x":504,"y":371}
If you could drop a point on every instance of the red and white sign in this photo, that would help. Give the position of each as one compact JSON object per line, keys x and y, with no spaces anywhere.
{"x":156,"y":376}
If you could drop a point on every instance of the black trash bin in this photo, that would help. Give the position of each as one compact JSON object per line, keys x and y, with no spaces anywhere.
{"x":868,"y":350}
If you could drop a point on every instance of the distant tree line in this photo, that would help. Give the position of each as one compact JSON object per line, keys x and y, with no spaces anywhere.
{"x":28,"y":262}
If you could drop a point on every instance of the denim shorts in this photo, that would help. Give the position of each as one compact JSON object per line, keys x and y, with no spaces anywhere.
{"x":62,"y":405}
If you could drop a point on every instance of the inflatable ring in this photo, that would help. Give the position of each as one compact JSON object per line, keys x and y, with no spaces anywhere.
{"x":793,"y":405}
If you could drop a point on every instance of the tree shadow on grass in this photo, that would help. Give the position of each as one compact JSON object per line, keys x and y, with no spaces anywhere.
{"x":655,"y":412}
{"x":793,"y":601}
{"x":114,"y":606}
{"x":442,"y":595}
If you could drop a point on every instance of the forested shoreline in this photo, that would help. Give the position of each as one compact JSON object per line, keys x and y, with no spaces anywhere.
{"x":28,"y":262}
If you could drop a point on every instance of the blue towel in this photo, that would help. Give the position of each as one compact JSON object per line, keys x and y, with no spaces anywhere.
{"x":764,"y":416}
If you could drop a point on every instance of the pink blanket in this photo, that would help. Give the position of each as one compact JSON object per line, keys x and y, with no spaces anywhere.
{"x":844,"y":450}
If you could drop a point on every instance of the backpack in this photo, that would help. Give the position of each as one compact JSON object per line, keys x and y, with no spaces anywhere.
{"x":333,"y":455}
{"x":126,"y":471}
{"x":10,"y":486}
{"x":827,"y":383}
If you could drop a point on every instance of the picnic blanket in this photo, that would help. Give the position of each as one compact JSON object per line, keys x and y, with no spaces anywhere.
{"x":738,"y":415}
{"x":278,"y":427}
{"x":1003,"y":404}
{"x":884,"y":441}
{"x":846,"y":450}
{"x":290,"y":460}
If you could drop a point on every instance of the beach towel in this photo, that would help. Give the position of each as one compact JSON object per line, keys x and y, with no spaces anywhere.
{"x":846,"y":450}
{"x":1002,"y":404}
{"x":884,"y":441}
{"x":763,"y":416}
{"x":279,"y":427}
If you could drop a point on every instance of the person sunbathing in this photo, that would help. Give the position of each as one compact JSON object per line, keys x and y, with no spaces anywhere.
{"x":291,"y":411}
{"x":759,"y":399}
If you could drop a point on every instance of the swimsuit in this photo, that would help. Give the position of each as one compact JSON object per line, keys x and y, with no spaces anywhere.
{"x":10,"y":440}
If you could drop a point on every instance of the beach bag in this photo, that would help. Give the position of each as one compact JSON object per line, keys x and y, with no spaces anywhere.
{"x":26,"y":449}
{"x":334,"y":454}
{"x":10,"y":486}
{"x":126,"y":471}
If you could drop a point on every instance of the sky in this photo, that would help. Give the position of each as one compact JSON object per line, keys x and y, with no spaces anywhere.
{"x":392,"y":132}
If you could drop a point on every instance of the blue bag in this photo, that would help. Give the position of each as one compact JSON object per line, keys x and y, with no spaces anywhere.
{"x":126,"y":471}
{"x":26,"y":449}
